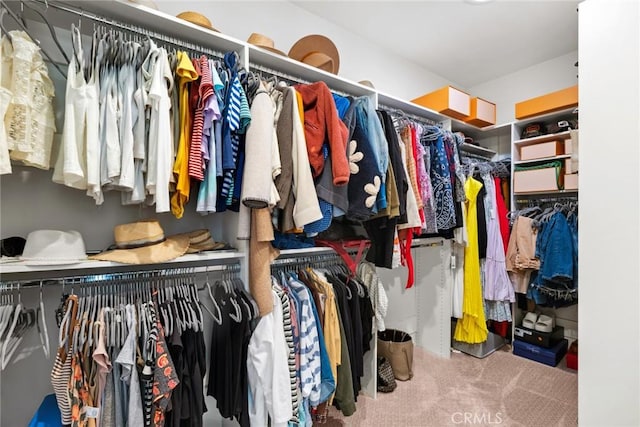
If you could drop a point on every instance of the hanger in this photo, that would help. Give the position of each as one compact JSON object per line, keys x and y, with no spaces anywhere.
{"x":193,"y":323}
{"x":22,"y":320}
{"x":64,"y":333}
{"x":5,"y":314}
{"x":26,"y":30}
{"x":218,"y":316}
{"x":244,"y":297}
{"x":192,"y":291}
{"x":49,"y":26}
{"x":184,"y":310}
{"x":3,"y":11}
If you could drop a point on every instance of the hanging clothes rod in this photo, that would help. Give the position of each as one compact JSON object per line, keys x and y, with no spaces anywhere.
{"x":134,"y":29}
{"x":290,"y":78}
{"x":91,"y":278}
{"x":307,"y":259}
{"x":466,"y":154}
{"x":398,"y":112}
{"x":276,"y":73}
{"x":548,"y":199}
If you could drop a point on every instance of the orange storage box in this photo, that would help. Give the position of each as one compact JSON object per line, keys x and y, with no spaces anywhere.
{"x":447,"y":100}
{"x":554,"y":101}
{"x":537,"y":180}
{"x":482,"y":113}
{"x":542,"y":150}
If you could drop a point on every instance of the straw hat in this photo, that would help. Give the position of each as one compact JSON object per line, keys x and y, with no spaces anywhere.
{"x":53,"y":247}
{"x":264,"y":42}
{"x":196,"y":18}
{"x":201,"y":240}
{"x":367,"y":83}
{"x":144,"y":242}
{"x":317,"y":51}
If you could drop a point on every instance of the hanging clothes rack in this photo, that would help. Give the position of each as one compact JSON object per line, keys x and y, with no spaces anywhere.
{"x":279,"y":74}
{"x":537,"y":199}
{"x":92,"y":278}
{"x":500,"y":168}
{"x":288,"y":77}
{"x":134,"y":29}
{"x":400,"y":113}
{"x":308,"y":259}
{"x":466,"y":154}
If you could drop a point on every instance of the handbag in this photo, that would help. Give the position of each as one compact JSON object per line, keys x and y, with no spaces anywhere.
{"x":386,"y":380}
{"x":397,"y":347}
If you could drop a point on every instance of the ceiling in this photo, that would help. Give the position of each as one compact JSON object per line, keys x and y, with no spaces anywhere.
{"x":464,"y":42}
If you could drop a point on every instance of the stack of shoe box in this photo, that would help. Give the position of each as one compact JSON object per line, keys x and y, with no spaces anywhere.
{"x":539,"y":339}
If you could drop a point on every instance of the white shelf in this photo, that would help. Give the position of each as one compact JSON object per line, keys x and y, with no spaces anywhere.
{"x":285,"y":65}
{"x":477,"y":150}
{"x":145,"y":17}
{"x":568,"y":112}
{"x":542,"y":138}
{"x":410,"y":108}
{"x":210,"y":258}
{"x":544,"y":159}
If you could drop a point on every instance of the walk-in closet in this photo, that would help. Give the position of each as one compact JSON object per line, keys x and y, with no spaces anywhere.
{"x":306,"y":213}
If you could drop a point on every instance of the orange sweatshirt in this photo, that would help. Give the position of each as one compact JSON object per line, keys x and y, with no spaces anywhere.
{"x":321,"y":123}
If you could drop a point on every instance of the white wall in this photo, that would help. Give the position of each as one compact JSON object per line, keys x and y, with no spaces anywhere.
{"x":286,"y":23}
{"x":609,"y":371}
{"x":548,"y":76}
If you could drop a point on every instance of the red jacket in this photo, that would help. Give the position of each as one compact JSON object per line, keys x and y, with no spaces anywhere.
{"x":321,"y":123}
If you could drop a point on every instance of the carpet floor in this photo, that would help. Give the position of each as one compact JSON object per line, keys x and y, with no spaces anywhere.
{"x":501,"y":389}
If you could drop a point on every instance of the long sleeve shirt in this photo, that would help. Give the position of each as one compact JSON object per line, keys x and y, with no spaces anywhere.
{"x":268,"y":371}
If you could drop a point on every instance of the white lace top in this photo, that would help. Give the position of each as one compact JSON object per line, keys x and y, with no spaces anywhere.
{"x":5,"y":99}
{"x":29,"y":119}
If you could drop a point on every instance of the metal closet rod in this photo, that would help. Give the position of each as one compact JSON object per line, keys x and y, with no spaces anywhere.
{"x":133,"y":28}
{"x":92,"y":278}
{"x":397,"y":111}
{"x":319,"y":258}
{"x":289,"y":77}
{"x":549,"y":199}
{"x":276,"y":73}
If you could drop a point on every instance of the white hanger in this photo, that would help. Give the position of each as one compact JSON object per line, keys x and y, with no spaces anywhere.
{"x":8,"y":340}
{"x":218,"y":318}
{"x":43,"y":333}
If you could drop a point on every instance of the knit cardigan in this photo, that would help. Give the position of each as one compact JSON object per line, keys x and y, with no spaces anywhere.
{"x":257,"y":179}
{"x":322,"y":124}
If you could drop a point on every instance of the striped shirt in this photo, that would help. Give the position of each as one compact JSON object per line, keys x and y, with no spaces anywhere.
{"x":291,"y":359}
{"x":205,"y":90}
{"x":238,"y":116}
{"x":309,"y":345}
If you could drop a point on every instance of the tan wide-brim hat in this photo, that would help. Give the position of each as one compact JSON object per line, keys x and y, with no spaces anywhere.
{"x":144,"y":242}
{"x":201,"y":240}
{"x":197,"y":18}
{"x":317,"y":51}
{"x":264,"y":42}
